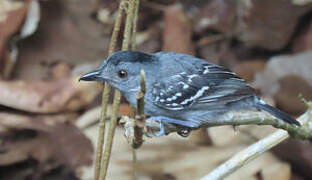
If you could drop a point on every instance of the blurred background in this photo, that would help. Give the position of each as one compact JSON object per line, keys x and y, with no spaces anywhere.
{"x":48,"y":121}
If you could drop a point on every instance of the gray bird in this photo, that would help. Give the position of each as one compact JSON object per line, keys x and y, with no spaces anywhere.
{"x":182,"y":90}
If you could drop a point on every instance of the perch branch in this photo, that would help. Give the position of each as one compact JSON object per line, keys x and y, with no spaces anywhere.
{"x":238,"y":118}
{"x":117,"y":96}
{"x":256,"y":149}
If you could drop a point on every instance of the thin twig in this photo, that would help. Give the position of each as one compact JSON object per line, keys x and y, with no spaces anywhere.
{"x":134,"y":28}
{"x":255,"y":150}
{"x":134,"y":164}
{"x":110,"y":136}
{"x":101,"y":132}
{"x":138,"y":141}
{"x":106,"y":91}
{"x":238,"y":118}
{"x":261,"y":118}
{"x":139,"y":122}
{"x":117,"y":96}
{"x":128,"y":26}
{"x":247,"y":155}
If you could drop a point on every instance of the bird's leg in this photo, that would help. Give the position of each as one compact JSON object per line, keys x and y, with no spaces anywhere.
{"x":162,"y":119}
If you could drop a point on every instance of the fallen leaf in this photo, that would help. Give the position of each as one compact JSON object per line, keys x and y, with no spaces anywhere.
{"x":174,"y":157}
{"x":287,"y":96}
{"x":54,"y":141}
{"x":60,"y":38}
{"x":48,"y":96}
{"x":12,"y":15}
{"x":299,"y":64}
{"x":266,"y":24}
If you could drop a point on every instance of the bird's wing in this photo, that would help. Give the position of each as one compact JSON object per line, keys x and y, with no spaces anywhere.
{"x":210,"y":84}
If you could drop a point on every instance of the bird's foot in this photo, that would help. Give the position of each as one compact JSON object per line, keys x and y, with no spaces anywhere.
{"x":162,"y":120}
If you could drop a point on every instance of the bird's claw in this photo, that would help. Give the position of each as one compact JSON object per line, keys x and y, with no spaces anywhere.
{"x":188,"y":124}
{"x":160,"y":133}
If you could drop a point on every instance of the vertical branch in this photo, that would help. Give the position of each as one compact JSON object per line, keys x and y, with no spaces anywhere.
{"x":134,"y":165}
{"x":140,"y":118}
{"x":110,"y":136}
{"x":133,"y":47}
{"x":134,"y":28}
{"x":113,"y":122}
{"x":139,"y":123}
{"x":101,"y":132}
{"x":128,"y":26}
{"x":106,"y":91}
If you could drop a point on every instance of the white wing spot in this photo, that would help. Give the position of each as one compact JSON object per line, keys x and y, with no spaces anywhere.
{"x":185,"y":86}
{"x":178,"y":94}
{"x":239,"y":79}
{"x":162,"y":100}
{"x":184,"y":102}
{"x":190,"y":77}
{"x":197,"y":95}
{"x":261,"y":101}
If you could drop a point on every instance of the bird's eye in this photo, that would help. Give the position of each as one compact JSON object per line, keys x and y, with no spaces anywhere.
{"x":122,"y":73}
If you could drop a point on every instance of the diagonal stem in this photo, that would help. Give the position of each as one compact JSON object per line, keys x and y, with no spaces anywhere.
{"x":255,"y":150}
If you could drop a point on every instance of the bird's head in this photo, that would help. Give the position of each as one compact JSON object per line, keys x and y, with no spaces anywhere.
{"x":122,"y":70}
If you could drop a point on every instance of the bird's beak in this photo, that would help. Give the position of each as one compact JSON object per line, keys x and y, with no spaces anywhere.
{"x":91,"y":76}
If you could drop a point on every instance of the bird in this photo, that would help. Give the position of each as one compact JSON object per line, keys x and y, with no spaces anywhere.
{"x":181,"y":90}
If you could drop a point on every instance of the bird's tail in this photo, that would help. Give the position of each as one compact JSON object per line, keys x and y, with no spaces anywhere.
{"x":276,"y":112}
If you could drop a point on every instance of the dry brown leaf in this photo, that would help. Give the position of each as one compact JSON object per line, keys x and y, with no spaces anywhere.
{"x":266,"y":24}
{"x":179,"y":158}
{"x":54,"y":141}
{"x":12,"y":15}
{"x":287,"y":96}
{"x":11,"y":121}
{"x":48,"y":97}
{"x":67,"y":32}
